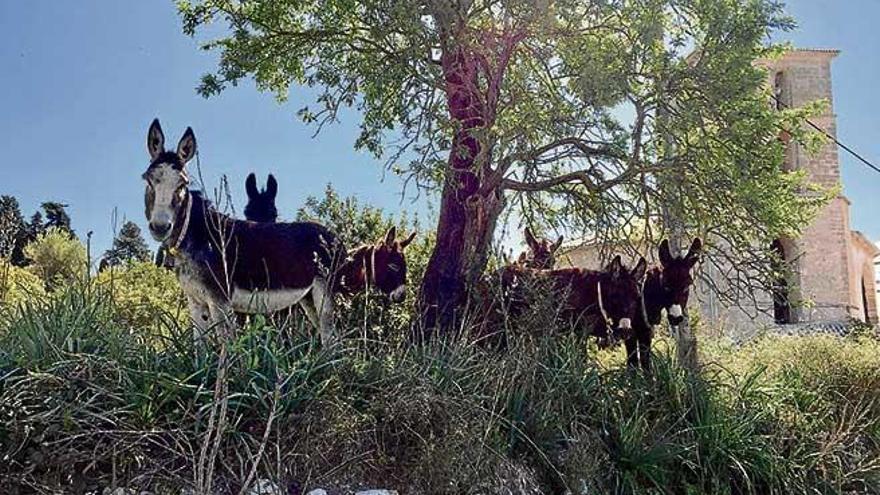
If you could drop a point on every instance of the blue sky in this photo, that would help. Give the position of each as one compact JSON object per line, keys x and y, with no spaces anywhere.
{"x":82,"y":80}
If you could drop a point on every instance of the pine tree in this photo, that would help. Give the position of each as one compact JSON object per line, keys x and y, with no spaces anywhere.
{"x":56,"y":216}
{"x":13,"y":231}
{"x":35,"y":227}
{"x":129,"y":245}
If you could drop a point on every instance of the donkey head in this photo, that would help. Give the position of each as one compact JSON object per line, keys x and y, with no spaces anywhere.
{"x":389,"y":265}
{"x":677,"y":279}
{"x":167,"y":199}
{"x":621,"y":295}
{"x":261,"y":204}
{"x":541,"y":253}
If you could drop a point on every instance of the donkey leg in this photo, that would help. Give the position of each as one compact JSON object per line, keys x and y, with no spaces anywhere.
{"x":198,"y":312}
{"x":308,"y":307}
{"x":644,"y":341}
{"x":632,"y":353}
{"x":221,"y":318}
{"x":323,"y":300}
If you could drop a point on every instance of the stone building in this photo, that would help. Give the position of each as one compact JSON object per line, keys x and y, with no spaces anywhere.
{"x":833,"y":278}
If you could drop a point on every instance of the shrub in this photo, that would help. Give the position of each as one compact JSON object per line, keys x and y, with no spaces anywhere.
{"x":143,"y":294}
{"x":57,"y":258}
{"x":17,"y":286}
{"x":85,"y":401}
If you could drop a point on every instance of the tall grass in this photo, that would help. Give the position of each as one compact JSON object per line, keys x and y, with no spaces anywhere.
{"x":86,"y":403}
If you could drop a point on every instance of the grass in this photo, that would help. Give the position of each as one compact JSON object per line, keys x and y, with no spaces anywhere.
{"x":87,"y":403}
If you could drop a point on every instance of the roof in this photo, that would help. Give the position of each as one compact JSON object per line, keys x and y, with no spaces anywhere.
{"x":866,"y":243}
{"x":816,"y":50}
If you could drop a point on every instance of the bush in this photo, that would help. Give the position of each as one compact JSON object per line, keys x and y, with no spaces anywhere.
{"x":143,"y":295}
{"x":17,"y":286}
{"x":86,"y":401}
{"x":57,"y":258}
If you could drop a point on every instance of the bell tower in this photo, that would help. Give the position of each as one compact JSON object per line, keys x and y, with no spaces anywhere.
{"x":818,"y":290}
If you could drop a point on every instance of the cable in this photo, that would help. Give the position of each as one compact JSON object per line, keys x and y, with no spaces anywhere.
{"x":833,"y":138}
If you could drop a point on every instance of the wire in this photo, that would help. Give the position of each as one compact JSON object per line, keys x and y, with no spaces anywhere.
{"x":833,"y":138}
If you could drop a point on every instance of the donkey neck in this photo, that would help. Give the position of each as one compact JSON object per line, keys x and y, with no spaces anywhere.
{"x":199,"y":224}
{"x":653,"y":294}
{"x":181,"y":224}
{"x":357,"y":271}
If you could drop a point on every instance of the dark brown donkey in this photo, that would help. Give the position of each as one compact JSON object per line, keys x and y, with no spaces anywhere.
{"x":261,"y":204}
{"x":226,"y":265}
{"x":541,"y":253}
{"x":601,"y":303}
{"x":381,"y":266}
{"x":667,"y":286}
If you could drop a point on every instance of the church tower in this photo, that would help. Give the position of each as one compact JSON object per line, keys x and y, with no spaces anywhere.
{"x":826,"y":285}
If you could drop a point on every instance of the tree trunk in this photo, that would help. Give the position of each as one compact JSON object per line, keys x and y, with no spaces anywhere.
{"x":469,"y":208}
{"x":685,"y":340}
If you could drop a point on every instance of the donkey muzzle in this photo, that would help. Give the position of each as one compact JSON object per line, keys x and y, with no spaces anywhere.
{"x":675,"y":315}
{"x":398,"y":294}
{"x":160,"y":231}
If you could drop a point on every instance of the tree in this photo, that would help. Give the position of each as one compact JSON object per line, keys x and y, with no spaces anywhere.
{"x":129,"y":245}
{"x":56,"y":216}
{"x":35,"y":227}
{"x":13,"y":231}
{"x":57,"y":258}
{"x":552,"y":107}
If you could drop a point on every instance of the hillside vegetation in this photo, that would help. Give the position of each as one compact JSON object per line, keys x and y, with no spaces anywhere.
{"x":101,"y":387}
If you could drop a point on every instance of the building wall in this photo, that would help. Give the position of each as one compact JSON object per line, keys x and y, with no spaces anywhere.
{"x":863,"y":284}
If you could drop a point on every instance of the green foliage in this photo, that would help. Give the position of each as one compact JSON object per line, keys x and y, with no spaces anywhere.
{"x":86,"y":401}
{"x":129,"y":245}
{"x":57,"y":258}
{"x":143,"y":295}
{"x":13,"y":230}
{"x":17,"y":286}
{"x":651,"y":114}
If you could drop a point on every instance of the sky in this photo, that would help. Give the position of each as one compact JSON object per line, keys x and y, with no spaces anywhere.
{"x":81,"y":81}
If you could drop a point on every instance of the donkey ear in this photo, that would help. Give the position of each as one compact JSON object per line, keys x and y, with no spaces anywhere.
{"x":186,"y":148}
{"x":530,"y":238}
{"x":390,"y":236}
{"x":615,"y":266}
{"x":250,"y":186}
{"x":271,"y":187}
{"x":155,"y":140}
{"x":665,"y":255}
{"x":640,"y":269}
{"x":556,"y":245}
{"x":695,"y":251}
{"x":404,"y":243}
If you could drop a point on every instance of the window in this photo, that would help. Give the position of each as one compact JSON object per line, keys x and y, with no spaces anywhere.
{"x":781,"y":301}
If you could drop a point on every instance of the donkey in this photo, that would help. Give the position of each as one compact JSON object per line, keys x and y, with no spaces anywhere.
{"x":541,"y":253}
{"x":381,"y":266}
{"x":667,"y":286}
{"x":226,"y":265}
{"x":600,"y":303}
{"x":261,"y":204}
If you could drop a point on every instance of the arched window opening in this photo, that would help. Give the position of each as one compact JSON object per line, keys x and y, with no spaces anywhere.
{"x":781,"y":300}
{"x":779,"y":91}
